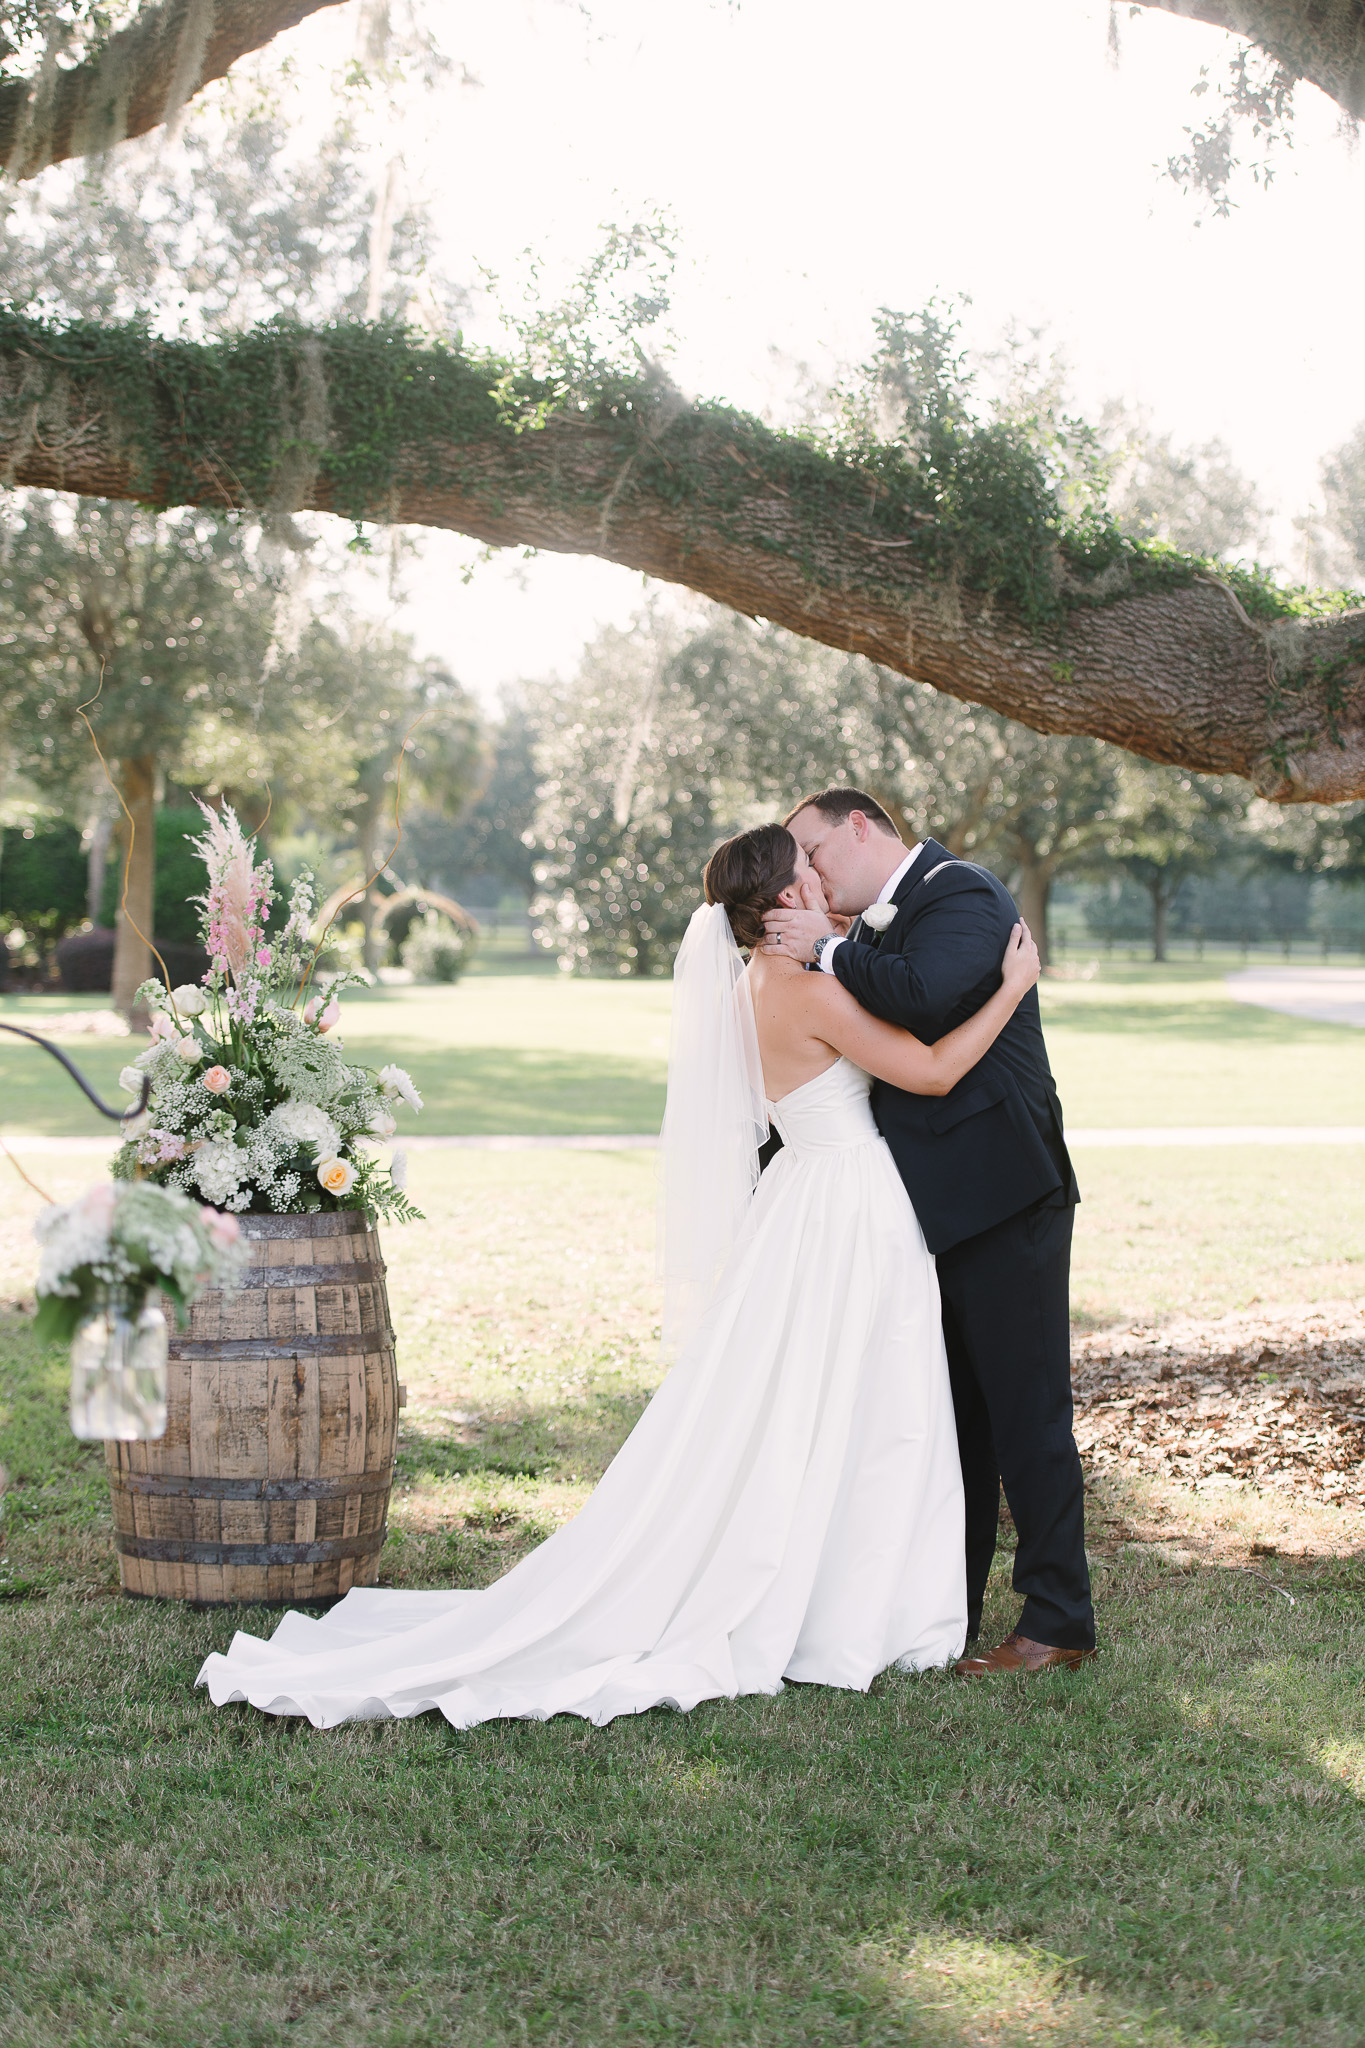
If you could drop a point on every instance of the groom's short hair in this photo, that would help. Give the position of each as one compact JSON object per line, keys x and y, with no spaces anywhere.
{"x":839,"y":804}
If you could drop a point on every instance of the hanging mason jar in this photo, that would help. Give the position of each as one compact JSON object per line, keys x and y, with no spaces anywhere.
{"x":118,"y":1370}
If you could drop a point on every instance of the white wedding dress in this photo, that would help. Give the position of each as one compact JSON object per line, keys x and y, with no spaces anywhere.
{"x":788,"y":1506}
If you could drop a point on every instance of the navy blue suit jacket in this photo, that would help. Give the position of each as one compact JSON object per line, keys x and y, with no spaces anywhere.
{"x":993,"y":1145}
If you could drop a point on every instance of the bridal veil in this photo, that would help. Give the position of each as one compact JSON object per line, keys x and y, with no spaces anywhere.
{"x":714,"y":1124}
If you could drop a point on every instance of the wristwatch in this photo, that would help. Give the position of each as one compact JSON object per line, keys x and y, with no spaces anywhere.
{"x":825,"y":939}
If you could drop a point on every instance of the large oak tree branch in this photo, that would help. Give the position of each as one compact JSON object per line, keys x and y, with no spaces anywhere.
{"x":131,"y":82}
{"x":1320,"y":40}
{"x":917,"y":570}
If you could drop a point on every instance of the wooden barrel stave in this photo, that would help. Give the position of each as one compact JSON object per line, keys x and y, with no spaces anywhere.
{"x":273,"y":1479}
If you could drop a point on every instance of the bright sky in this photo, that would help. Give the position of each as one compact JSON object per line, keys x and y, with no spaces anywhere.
{"x":820,"y":162}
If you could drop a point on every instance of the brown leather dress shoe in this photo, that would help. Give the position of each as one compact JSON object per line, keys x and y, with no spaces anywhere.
{"x":1021,"y":1653}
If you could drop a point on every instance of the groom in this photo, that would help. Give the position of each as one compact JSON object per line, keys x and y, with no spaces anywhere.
{"x":987,"y":1170}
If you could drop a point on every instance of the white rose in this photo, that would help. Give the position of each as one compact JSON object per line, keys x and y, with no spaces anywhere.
{"x":381,"y":1125}
{"x":130,"y":1080}
{"x":396,"y":1083}
{"x":189,"y":1049}
{"x":879,"y":915}
{"x":189,"y":1000}
{"x":398,"y":1170}
{"x":336,"y":1176}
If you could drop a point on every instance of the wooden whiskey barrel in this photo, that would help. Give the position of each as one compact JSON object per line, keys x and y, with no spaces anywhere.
{"x":272,"y":1482}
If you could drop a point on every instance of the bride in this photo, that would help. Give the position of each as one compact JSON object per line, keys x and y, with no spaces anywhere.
{"x":789,"y":1505}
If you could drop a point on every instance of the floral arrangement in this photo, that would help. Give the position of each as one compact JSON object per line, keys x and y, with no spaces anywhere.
{"x":128,"y":1240}
{"x":253,"y":1103}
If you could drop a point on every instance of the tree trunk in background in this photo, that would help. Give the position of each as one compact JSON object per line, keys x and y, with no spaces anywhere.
{"x":97,"y":859}
{"x":133,"y":919}
{"x":372,"y":903}
{"x":1032,"y":894}
{"x":1162,"y":893}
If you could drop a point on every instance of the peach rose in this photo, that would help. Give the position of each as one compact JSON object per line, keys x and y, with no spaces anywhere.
{"x":218,"y":1080}
{"x":329,"y":1015}
{"x":336,"y":1176}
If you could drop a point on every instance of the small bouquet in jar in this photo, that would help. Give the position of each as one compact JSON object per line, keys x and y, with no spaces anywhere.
{"x":104,"y":1258}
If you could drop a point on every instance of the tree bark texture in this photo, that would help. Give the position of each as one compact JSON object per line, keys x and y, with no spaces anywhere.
{"x":135,"y":79}
{"x":97,"y":859}
{"x":1033,"y":889}
{"x":1320,"y":40}
{"x":366,"y":424}
{"x":133,"y":918}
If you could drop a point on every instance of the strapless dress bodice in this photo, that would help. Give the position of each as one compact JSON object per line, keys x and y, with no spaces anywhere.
{"x":828,"y":1113}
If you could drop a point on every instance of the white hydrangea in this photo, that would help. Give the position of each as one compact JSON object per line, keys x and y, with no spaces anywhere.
{"x":305,"y":1124}
{"x":395,"y":1083}
{"x":73,"y":1235}
{"x":220,"y":1167}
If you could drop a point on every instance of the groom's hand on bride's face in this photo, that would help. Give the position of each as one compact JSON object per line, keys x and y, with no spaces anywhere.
{"x":793,"y":932}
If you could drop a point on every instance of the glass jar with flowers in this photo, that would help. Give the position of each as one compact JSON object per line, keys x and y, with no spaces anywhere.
{"x":104,"y":1258}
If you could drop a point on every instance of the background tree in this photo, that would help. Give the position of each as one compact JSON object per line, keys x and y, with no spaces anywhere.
{"x":142,"y":620}
{"x":230,"y":232}
{"x":487,"y":853}
{"x":443,"y":759}
{"x":1334,"y":539}
{"x":634,"y":794}
{"x":1194,"y":498}
{"x":1171,"y":826}
{"x":723,"y":721}
{"x":43,"y":885}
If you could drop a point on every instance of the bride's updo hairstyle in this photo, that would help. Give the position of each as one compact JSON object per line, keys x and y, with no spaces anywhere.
{"x":748,"y":874}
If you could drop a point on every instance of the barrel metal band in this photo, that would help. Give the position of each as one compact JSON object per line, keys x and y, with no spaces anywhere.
{"x":180,"y":1485}
{"x":359,"y":1273}
{"x":352,"y":1344}
{"x":171,"y":1550}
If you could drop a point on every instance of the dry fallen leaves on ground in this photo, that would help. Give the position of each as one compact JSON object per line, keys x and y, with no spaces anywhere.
{"x":1274,"y":1398}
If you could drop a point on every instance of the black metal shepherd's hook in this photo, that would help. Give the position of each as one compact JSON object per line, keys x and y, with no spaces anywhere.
{"x":115,"y":1115}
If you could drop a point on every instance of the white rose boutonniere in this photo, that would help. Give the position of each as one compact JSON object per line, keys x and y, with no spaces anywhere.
{"x":878,"y":916}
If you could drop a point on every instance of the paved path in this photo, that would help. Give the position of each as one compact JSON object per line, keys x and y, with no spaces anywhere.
{"x":1080,"y":1140}
{"x":1330,"y":995}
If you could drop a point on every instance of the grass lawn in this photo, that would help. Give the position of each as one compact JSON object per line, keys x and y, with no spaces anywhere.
{"x":534,"y":1050}
{"x":1166,"y":1850}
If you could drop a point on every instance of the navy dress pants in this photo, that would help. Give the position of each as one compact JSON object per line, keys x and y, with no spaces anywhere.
{"x":1006,"y":1323}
